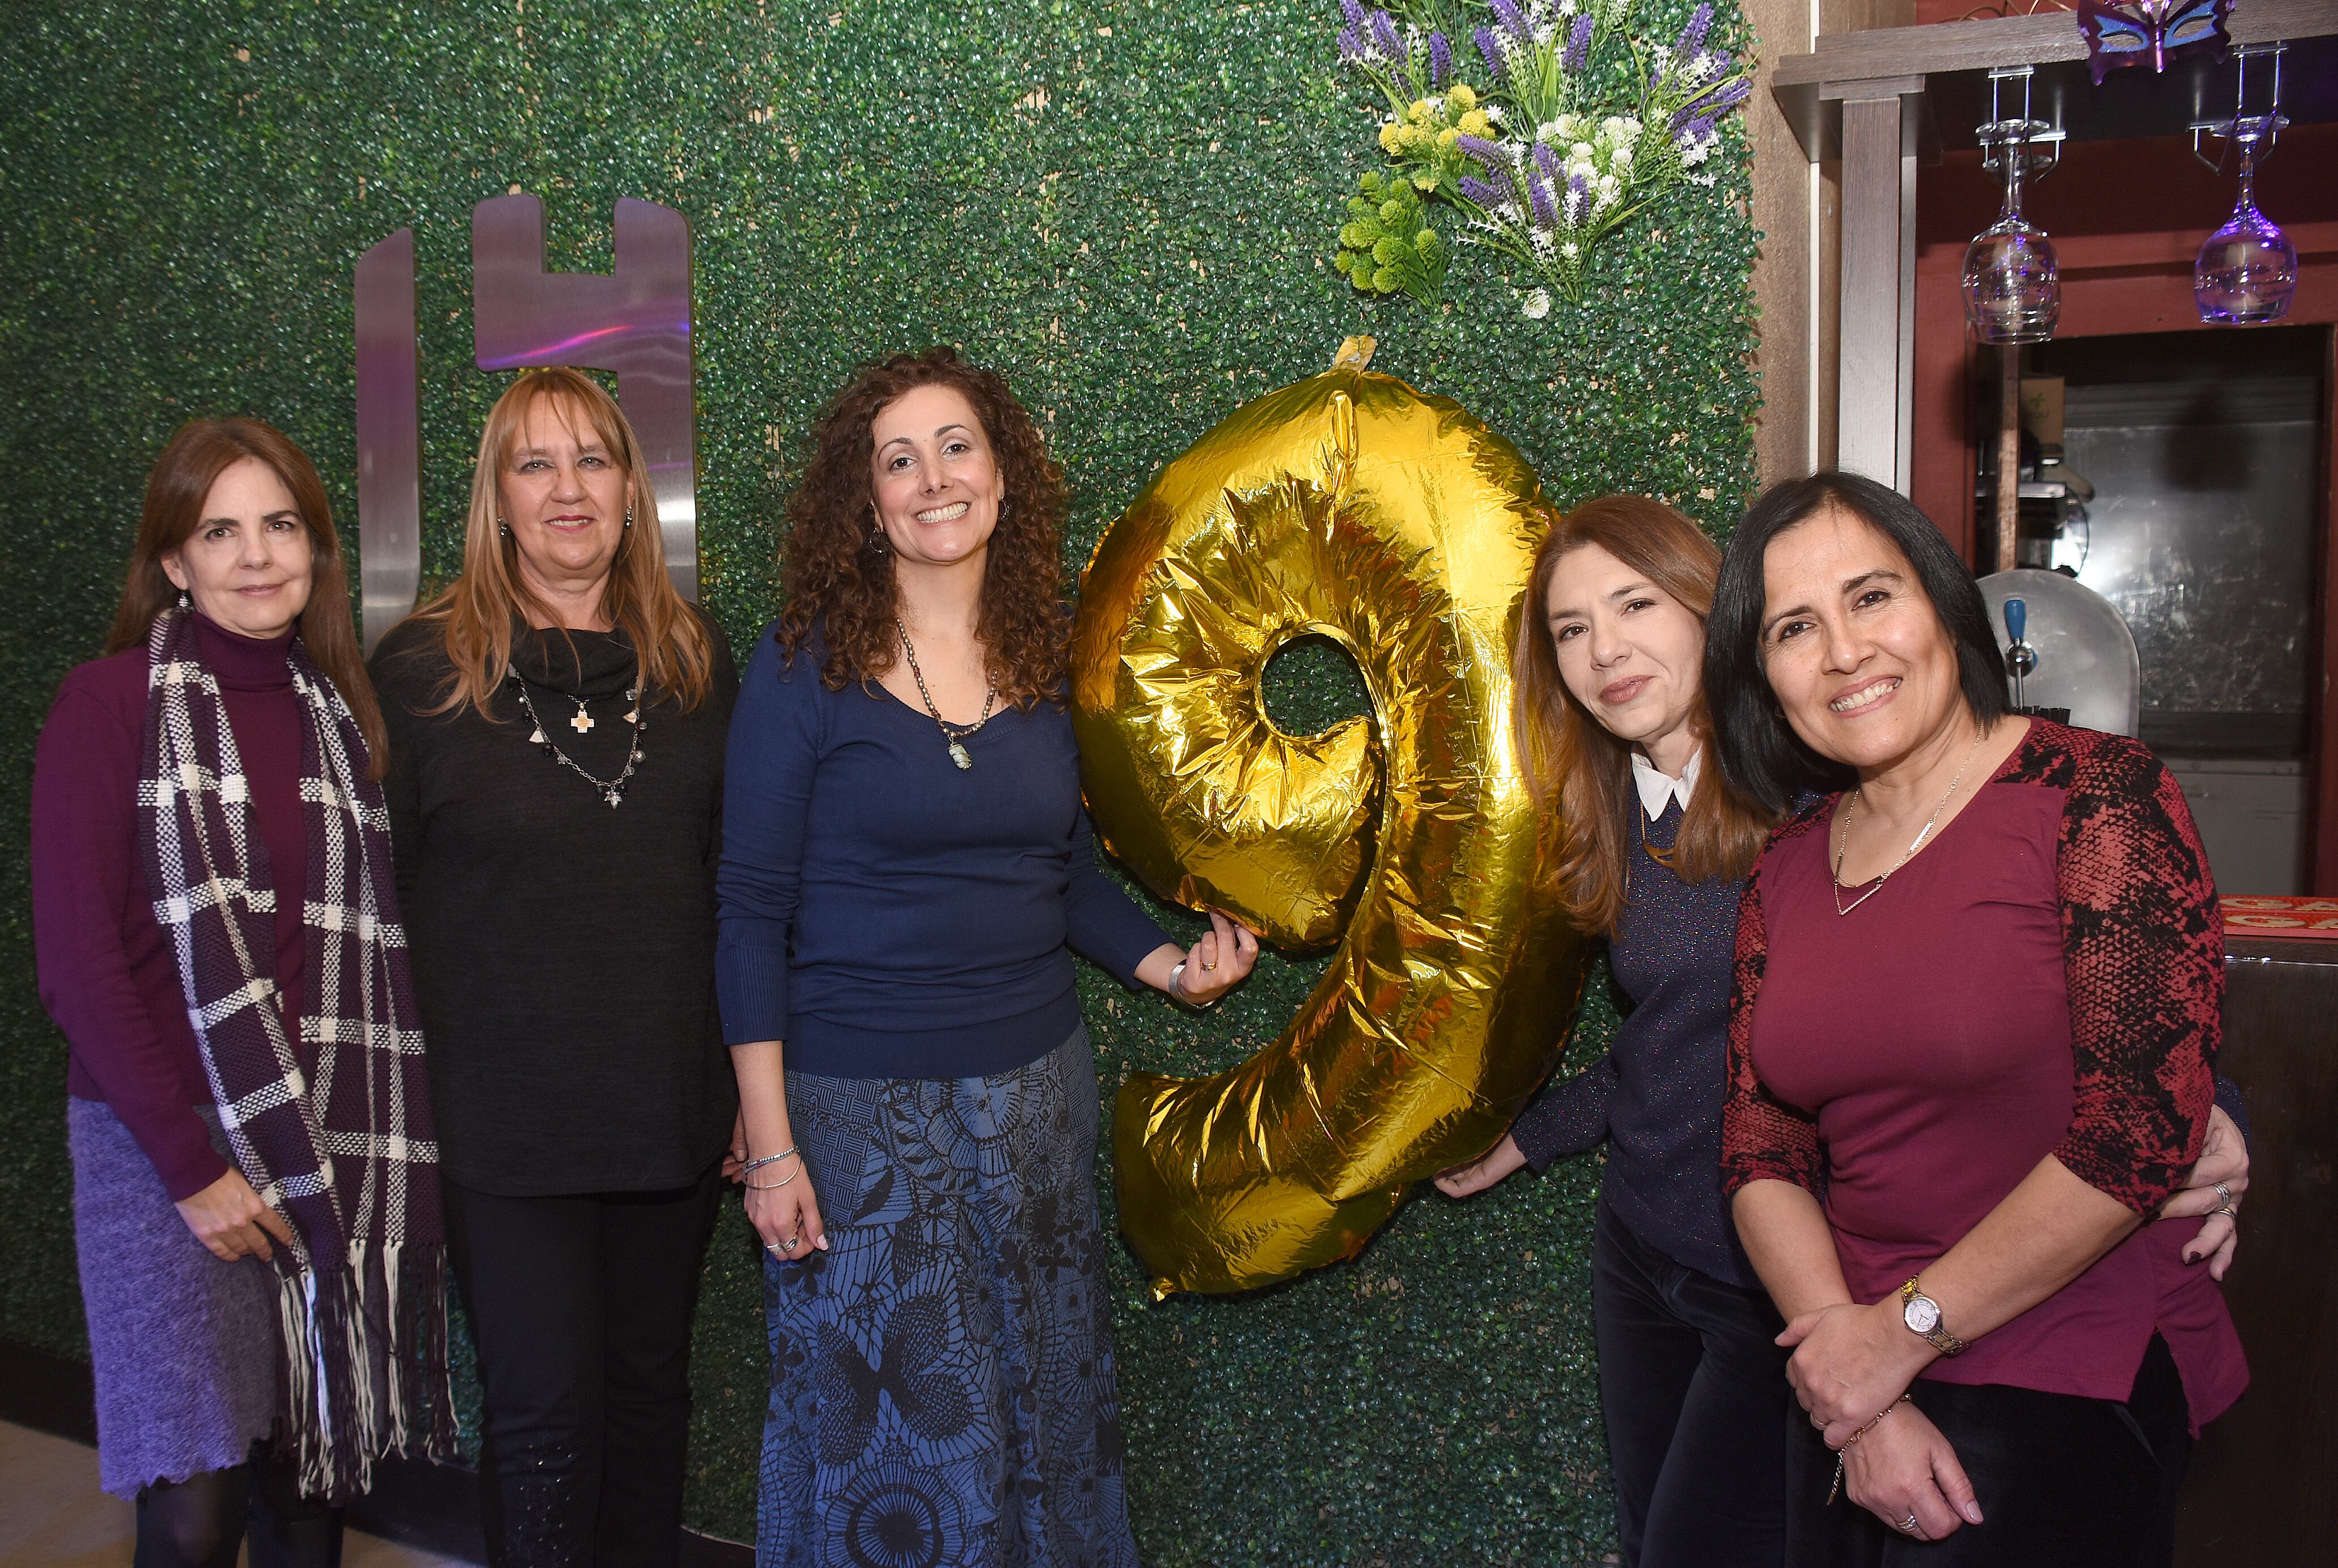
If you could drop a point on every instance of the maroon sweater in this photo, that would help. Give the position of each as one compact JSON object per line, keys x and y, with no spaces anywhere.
{"x":2045,"y":978}
{"x":107,"y":973}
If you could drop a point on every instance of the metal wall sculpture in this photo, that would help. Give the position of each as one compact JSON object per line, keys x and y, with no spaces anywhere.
{"x":1350,"y":506}
{"x":634,"y":320}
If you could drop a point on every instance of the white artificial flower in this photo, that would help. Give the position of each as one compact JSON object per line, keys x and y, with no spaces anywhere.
{"x":1580,"y":152}
{"x":1570,"y":250}
{"x":1536,"y":304}
{"x":1554,"y":132}
{"x":1621,"y":162}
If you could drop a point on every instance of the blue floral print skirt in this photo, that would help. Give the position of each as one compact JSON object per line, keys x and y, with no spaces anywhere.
{"x":942,"y":1386}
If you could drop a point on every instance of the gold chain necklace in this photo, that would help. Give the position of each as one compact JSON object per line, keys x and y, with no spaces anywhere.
{"x":955,"y":734}
{"x":1922,"y":834}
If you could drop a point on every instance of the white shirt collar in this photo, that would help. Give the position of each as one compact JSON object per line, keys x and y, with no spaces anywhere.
{"x":1657,"y":789}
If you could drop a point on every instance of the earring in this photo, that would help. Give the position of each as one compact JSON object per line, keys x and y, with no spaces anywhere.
{"x":629,"y":516}
{"x":503,"y":528}
{"x":186,"y":600}
{"x":876,"y":542}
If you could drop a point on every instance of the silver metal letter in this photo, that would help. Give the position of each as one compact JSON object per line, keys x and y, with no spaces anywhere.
{"x":635,"y":322}
{"x":389,"y":438}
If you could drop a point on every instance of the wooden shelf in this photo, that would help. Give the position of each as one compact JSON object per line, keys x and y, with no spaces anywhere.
{"x":1946,"y":66}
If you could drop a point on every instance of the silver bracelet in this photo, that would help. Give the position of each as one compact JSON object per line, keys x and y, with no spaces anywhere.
{"x":755,"y":1165}
{"x":1177,"y":991}
{"x":771,"y":1186}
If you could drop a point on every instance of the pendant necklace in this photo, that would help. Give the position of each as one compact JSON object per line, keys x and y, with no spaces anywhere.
{"x":1661,"y":854}
{"x":955,"y":734}
{"x":612,"y":790}
{"x":1923,"y":833}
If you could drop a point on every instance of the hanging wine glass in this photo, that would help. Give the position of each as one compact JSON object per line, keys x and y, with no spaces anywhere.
{"x":2247,"y":271}
{"x":2013,"y":288}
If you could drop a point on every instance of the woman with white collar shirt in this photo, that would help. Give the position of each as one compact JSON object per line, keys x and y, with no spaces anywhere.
{"x":1612,"y":721}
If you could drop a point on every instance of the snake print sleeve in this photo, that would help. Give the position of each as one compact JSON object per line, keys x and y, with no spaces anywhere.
{"x":2143,"y":953}
{"x":1762,"y":1137}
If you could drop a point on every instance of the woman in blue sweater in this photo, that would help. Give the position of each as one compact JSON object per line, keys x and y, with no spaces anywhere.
{"x":1612,"y":722}
{"x":906,"y":871}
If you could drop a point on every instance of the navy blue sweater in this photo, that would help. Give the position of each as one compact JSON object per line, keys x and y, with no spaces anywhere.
{"x":1655,"y":1097}
{"x":889,"y":914}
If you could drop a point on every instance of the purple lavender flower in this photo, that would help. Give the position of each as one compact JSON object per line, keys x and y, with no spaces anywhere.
{"x":1548,"y":160}
{"x":1545,"y":215}
{"x":1354,"y":11}
{"x":1385,"y":35}
{"x":1697,"y":130}
{"x":1352,"y":46}
{"x":1476,"y":190}
{"x":1514,"y":21}
{"x":1440,"y":61}
{"x":1490,"y":153}
{"x":1691,"y":38}
{"x":1578,"y":200}
{"x":1578,"y":45}
{"x":1489,"y":49}
{"x":1710,"y":104}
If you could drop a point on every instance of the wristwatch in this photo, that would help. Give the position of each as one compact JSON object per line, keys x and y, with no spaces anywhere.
{"x":1922,"y":1315}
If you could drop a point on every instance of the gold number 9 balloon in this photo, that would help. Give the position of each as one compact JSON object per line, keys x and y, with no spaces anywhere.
{"x":1398,"y":526}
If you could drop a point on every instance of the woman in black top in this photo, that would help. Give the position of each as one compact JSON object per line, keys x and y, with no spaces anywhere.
{"x":556,"y":720}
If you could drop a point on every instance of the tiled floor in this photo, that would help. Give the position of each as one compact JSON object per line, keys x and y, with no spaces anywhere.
{"x":52,"y":1514}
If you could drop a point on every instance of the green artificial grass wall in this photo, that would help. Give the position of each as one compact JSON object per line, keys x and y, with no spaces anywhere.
{"x":1128,"y":206}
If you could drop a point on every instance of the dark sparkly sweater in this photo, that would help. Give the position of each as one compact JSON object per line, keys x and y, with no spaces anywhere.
{"x":1655,"y":1097}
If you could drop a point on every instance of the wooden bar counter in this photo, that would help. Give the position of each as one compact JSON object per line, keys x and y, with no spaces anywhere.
{"x":2263,"y":1486}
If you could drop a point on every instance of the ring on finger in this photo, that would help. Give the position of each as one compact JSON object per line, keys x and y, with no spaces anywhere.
{"x":2224,"y":1194}
{"x":1909,"y":1525}
{"x":2227,"y":1211}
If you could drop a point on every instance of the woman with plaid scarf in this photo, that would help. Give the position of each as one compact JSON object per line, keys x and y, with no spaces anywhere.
{"x":255,"y":1183}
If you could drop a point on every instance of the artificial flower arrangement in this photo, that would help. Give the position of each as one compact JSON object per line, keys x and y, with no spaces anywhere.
{"x":1577,"y":126}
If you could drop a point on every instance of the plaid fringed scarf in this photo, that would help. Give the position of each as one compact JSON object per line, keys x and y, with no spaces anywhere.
{"x":332,"y":1129}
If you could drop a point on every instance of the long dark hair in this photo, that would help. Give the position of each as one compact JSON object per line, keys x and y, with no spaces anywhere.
{"x":833,"y":579}
{"x":182,"y":481}
{"x":1574,"y":764}
{"x":1762,"y":755}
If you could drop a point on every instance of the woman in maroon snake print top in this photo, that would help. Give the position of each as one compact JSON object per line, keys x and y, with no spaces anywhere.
{"x":1965,"y":1069}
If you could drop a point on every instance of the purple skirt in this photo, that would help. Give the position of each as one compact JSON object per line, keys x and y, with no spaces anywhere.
{"x":183,"y":1346}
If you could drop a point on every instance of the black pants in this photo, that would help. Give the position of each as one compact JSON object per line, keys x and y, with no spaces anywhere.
{"x":581,"y":1307}
{"x":1700,"y":1417}
{"x":2063,"y":1482}
{"x":203,"y":1520}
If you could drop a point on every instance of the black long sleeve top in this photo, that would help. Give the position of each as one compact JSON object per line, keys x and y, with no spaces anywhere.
{"x":564,"y":948}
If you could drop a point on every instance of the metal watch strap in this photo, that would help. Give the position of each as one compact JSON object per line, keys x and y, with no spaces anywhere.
{"x":1939,"y":1337}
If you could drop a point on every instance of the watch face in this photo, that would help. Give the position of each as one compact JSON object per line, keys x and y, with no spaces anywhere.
{"x":1923,"y":1314}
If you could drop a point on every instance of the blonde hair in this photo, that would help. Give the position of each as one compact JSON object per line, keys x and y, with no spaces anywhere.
{"x":1575,"y":765}
{"x":474,"y":614}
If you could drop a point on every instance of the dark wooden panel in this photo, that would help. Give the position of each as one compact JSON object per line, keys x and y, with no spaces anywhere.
{"x":2263,"y":1487}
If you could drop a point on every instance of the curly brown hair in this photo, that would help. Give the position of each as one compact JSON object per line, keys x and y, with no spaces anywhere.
{"x":837,"y":581}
